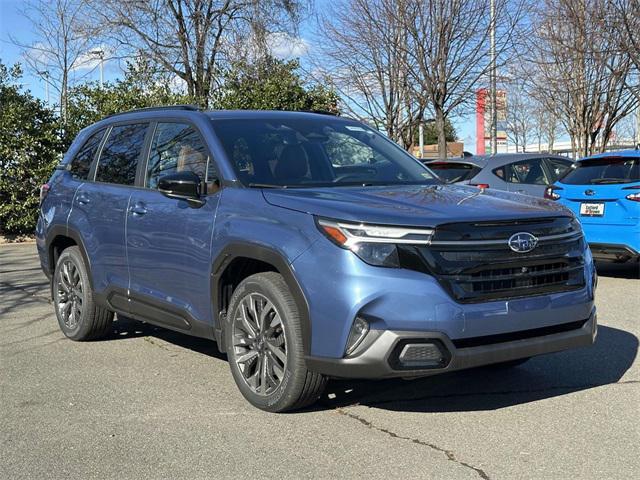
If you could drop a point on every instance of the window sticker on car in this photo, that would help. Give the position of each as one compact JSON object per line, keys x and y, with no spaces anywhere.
{"x":355,"y":129}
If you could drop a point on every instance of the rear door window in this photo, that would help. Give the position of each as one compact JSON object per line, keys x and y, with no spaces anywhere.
{"x":120,"y":154}
{"x":81,"y":163}
{"x":528,"y":172}
{"x":608,"y":170}
{"x":452,"y":172}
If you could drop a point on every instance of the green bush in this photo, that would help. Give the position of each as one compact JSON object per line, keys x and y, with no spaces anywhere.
{"x":29,"y":150}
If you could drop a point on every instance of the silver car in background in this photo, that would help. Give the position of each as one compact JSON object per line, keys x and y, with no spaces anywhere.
{"x":527,"y":173}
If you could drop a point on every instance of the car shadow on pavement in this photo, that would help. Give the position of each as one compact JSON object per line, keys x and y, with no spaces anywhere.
{"x":618,"y":270}
{"x":486,"y":388}
{"x":490,"y":388}
{"x":124,"y":328}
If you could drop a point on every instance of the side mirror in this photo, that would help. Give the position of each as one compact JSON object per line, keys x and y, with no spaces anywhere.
{"x":183,"y":186}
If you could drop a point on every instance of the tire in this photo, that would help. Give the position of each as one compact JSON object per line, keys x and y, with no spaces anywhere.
{"x":79,"y":317}
{"x":266,"y":356}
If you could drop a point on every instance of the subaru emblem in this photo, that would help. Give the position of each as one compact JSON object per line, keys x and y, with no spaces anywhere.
{"x":589,"y":192}
{"x":522,"y":242}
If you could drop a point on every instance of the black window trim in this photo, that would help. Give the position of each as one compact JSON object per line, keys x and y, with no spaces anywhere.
{"x":141,"y":178}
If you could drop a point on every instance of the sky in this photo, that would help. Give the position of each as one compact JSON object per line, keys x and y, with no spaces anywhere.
{"x":13,"y":24}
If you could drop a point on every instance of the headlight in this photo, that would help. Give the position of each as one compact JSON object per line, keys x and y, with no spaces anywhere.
{"x":375,"y":244}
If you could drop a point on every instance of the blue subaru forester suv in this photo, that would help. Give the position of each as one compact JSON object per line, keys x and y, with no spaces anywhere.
{"x":307,"y":246}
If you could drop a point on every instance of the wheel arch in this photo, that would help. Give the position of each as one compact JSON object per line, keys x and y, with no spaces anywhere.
{"x":250,"y":259}
{"x":60,"y":238}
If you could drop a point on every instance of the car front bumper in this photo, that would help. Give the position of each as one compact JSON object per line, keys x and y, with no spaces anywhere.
{"x":379,"y":357}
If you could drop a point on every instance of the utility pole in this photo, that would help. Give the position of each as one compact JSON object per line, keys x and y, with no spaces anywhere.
{"x":492,"y":80}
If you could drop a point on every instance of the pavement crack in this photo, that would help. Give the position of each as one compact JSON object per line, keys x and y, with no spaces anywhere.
{"x":448,"y":453}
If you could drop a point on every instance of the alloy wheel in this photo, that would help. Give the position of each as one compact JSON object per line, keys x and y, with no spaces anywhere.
{"x":259,"y":343}
{"x":70,"y":294}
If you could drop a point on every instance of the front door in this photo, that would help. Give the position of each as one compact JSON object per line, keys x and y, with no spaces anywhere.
{"x":169,"y":240}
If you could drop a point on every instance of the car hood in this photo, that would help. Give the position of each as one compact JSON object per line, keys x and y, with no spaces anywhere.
{"x":411,"y":205}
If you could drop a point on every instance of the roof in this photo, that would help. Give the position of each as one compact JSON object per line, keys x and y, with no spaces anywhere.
{"x":635,"y":153}
{"x":503,"y":158}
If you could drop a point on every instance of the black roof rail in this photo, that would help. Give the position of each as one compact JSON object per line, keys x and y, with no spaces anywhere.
{"x":323,"y":112}
{"x":194,"y":108}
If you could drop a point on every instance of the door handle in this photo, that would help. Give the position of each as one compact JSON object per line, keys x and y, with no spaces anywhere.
{"x":138,"y":209}
{"x":83,"y":199}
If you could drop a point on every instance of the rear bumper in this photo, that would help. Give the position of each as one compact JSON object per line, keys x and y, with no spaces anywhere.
{"x":613,"y":252}
{"x":380,"y":359}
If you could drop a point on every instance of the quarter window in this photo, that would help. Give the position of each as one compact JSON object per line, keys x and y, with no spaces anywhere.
{"x":176,"y":147}
{"x":81,"y":163}
{"x":119,"y":157}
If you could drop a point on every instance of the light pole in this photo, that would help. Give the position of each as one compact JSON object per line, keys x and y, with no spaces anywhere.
{"x":100,"y":54}
{"x":45,"y":76}
{"x":492,"y":79}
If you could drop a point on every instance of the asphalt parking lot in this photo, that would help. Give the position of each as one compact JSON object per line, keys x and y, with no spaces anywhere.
{"x":150,"y":403}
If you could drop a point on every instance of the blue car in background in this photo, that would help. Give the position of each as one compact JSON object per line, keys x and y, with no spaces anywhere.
{"x":603,"y":191}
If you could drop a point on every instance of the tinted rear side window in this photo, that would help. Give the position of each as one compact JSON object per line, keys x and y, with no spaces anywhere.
{"x":81,"y":163}
{"x":120,"y":154}
{"x":603,"y":171}
{"x":454,"y":172}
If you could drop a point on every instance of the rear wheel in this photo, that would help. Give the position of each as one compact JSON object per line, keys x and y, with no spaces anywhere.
{"x":263,"y":336}
{"x":78,"y":315}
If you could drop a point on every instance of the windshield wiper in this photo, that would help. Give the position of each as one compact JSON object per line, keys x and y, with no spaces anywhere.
{"x":265,"y":185}
{"x":608,"y":180}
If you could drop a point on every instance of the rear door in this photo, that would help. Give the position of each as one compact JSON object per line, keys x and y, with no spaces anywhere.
{"x":168,"y":240}
{"x":596,"y":190}
{"x":101,"y":204}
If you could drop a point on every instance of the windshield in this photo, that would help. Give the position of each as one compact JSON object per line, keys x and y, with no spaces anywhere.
{"x":310,"y":152}
{"x":602,"y":171}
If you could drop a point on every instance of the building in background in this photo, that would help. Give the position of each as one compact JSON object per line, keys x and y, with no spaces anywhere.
{"x":483,"y":121}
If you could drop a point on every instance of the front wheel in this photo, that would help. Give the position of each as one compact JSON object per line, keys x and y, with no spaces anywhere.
{"x":263,"y":335}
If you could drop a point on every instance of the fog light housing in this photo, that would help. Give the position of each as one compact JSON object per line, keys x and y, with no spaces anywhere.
{"x":419,"y":354}
{"x":359,"y":330}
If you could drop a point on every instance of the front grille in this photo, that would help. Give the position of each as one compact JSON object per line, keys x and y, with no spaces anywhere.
{"x":475,"y":264}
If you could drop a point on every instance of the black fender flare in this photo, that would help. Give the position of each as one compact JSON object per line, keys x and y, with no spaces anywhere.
{"x":268,"y":255}
{"x":63,"y":231}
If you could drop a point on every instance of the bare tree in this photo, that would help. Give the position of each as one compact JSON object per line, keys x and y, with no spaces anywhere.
{"x":448,"y":44}
{"x":61,"y":44}
{"x":192,"y":38}
{"x":363,"y":54}
{"x":627,"y":24}
{"x":521,"y":114}
{"x":579,"y":71}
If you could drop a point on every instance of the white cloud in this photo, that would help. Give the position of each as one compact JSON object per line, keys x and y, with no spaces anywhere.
{"x":283,"y":45}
